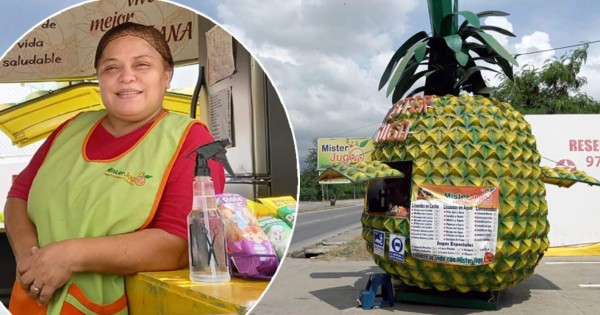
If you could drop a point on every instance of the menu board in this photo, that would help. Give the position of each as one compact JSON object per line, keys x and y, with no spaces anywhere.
{"x":219,"y":48}
{"x":454,"y":224}
{"x":220,"y":115}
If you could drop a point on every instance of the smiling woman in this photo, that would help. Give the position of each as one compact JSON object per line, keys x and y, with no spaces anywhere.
{"x":133,"y":75}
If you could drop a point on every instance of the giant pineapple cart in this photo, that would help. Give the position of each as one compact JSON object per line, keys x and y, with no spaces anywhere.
{"x":61,"y":49}
{"x":455,"y":209}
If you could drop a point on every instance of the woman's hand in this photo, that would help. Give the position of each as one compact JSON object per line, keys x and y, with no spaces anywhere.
{"x":45,"y":271}
{"x":49,"y":268}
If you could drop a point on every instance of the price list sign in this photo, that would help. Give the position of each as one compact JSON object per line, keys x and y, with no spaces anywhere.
{"x":454,"y":224}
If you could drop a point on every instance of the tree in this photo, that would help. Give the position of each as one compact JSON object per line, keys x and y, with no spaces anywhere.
{"x":552,"y":89}
{"x":310,"y":189}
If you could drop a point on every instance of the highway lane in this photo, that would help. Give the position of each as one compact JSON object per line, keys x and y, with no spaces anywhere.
{"x":312,"y":227}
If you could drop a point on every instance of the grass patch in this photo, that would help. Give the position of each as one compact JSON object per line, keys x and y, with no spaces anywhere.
{"x":355,"y":250}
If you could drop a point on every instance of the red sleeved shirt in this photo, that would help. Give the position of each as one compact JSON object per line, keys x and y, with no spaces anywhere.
{"x":176,"y":200}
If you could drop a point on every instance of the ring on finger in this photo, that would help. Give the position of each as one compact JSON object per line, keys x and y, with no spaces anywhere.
{"x":35,"y":289}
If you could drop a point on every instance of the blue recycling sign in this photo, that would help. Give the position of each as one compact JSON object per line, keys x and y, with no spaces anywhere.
{"x":397,"y":243}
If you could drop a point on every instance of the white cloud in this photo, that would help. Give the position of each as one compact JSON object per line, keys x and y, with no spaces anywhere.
{"x":501,"y":22}
{"x":593,"y":61}
{"x":279,"y":54}
{"x":593,"y":79}
{"x":536,"y":41}
{"x":591,"y":70}
{"x":325,"y":57}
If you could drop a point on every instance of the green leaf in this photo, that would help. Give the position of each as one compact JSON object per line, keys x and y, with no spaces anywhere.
{"x":417,"y":76}
{"x":491,"y":13}
{"x":430,"y":72}
{"x":479,"y":49}
{"x":488,"y":39}
{"x":486,"y":90}
{"x":470,"y":31}
{"x":398,"y":54}
{"x":406,"y":81}
{"x":471,"y":81}
{"x":472,"y":70}
{"x":497,"y":29}
{"x":449,"y":20}
{"x":410,"y":81}
{"x":470,"y":17}
{"x":467,"y":21}
{"x":400,"y":69}
{"x":453,"y":42}
{"x":462,"y":58}
{"x":420,"y":53}
{"x":474,"y":84}
{"x":506,"y":67}
{"x":363,"y":143}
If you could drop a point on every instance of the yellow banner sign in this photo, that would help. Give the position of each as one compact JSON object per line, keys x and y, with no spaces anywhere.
{"x":332,"y":151}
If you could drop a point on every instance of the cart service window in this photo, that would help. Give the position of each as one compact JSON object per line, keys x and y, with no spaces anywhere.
{"x":390,"y":195}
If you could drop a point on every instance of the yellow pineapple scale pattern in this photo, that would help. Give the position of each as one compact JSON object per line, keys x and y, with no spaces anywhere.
{"x":470,"y":141}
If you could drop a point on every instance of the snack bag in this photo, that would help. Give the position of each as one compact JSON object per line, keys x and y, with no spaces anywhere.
{"x":278,"y":233}
{"x":250,"y":251}
{"x":284,"y":206}
{"x":259,"y":210}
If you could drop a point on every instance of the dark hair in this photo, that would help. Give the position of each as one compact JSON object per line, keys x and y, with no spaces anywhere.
{"x":148,"y":33}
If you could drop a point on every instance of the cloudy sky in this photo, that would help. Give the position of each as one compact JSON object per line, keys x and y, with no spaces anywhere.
{"x":326,"y":56}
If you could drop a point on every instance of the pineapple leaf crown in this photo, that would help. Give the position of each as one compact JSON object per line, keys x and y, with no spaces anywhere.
{"x":447,"y":58}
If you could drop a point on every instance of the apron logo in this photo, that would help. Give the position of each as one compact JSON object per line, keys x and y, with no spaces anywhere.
{"x":128,"y":177}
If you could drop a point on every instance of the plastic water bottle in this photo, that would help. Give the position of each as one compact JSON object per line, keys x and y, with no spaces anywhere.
{"x":206,"y":231}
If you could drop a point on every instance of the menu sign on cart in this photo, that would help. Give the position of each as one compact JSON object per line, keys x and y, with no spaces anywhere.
{"x":454,"y":224}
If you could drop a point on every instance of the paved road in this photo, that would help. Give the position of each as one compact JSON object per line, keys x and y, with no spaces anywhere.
{"x":560,"y":285}
{"x":314,"y":226}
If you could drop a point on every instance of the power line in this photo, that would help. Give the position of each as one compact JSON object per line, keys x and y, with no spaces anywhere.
{"x":347,"y":131}
{"x":557,"y":48}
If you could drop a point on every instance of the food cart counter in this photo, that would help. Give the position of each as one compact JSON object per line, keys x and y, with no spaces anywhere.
{"x":171,"y":292}
{"x":166,"y":292}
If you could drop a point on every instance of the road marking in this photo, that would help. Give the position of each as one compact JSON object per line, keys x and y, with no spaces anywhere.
{"x":328,"y":209}
{"x":321,"y":220}
{"x":571,"y":262}
{"x":590,"y":285}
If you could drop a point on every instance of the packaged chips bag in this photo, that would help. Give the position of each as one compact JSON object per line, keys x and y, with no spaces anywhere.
{"x":259,"y":210}
{"x":250,"y":251}
{"x":285,"y":207}
{"x":278,"y":232}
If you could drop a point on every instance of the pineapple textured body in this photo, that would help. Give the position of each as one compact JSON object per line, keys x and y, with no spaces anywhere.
{"x":469,"y":141}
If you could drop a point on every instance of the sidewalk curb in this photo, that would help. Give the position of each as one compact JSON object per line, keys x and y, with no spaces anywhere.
{"x":327,"y":244}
